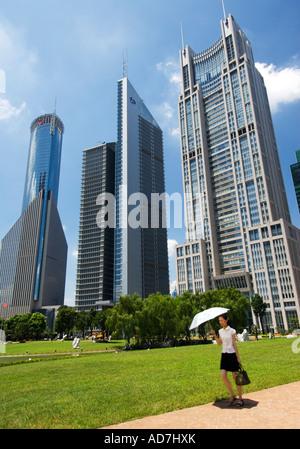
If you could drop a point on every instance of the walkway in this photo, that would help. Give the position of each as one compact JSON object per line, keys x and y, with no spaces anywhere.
{"x":273,"y":408}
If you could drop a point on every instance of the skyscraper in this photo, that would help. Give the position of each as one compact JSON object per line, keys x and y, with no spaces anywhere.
{"x":43,"y":166}
{"x":295,"y":169}
{"x":239,"y":231}
{"x":94,"y":284}
{"x":34,"y":252}
{"x":141,"y":254}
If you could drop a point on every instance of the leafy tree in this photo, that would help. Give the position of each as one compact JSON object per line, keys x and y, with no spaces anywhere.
{"x":91,"y":318}
{"x":161,"y":317}
{"x":65,"y":320}
{"x":38,"y":324}
{"x":100,"y":319}
{"x":82,"y":321}
{"x":122,"y":318}
{"x":15,"y":332}
{"x":294,"y":323}
{"x":230,"y":298}
{"x":258,"y":306}
{"x":22,"y":330}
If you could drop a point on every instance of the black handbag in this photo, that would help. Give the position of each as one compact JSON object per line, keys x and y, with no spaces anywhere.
{"x":241,"y":377}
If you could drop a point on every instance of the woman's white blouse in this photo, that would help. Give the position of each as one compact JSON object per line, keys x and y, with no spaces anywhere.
{"x":226,"y":337}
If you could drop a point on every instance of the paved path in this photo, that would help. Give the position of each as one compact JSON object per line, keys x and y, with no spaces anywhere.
{"x":273,"y":408}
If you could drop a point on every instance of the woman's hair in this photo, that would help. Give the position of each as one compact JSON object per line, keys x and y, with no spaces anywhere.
{"x":225,"y":317}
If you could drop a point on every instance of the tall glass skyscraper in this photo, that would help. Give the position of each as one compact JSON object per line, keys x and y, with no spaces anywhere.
{"x":141,"y":253}
{"x":43,"y":169}
{"x":33,"y":254}
{"x":239,"y":231}
{"x":43,"y":166}
{"x":95,"y":263}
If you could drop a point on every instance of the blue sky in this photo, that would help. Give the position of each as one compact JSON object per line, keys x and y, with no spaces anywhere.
{"x":73,"y":50}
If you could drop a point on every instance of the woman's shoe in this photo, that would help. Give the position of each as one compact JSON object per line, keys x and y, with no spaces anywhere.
{"x":239,"y":403}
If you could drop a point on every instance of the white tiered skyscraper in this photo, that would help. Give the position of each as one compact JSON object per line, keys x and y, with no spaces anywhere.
{"x":239,"y":231}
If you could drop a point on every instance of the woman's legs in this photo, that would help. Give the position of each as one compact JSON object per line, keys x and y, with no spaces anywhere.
{"x":239,"y":387}
{"x":227,"y":384}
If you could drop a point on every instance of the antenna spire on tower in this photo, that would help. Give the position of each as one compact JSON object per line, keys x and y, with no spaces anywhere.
{"x":182,"y":39}
{"x":53,"y":119}
{"x":224,"y":10}
{"x":125,"y":65}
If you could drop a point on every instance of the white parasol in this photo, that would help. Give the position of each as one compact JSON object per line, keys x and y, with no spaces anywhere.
{"x":207,"y":315}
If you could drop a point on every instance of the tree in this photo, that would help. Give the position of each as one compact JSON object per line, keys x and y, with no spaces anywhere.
{"x":122,"y":319}
{"x":38,"y":324}
{"x":65,"y":320}
{"x":91,"y":317}
{"x":160,"y":317}
{"x":22,"y":330}
{"x":230,"y":298}
{"x":15,"y":330}
{"x":294,"y":323}
{"x":186,"y":310}
{"x":258,"y":307}
{"x":82,"y":321}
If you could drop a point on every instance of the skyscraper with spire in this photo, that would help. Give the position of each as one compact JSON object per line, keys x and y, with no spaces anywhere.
{"x":238,"y":227}
{"x":34,"y":252}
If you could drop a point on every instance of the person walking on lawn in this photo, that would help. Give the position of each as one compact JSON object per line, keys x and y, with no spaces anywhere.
{"x":230,"y":359}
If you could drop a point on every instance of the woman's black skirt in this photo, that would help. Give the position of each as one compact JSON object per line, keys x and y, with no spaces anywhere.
{"x":229,"y":362}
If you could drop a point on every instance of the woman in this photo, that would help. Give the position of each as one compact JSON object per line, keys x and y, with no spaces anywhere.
{"x":230,"y":360}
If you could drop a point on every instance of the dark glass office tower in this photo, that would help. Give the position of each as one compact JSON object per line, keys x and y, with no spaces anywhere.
{"x":34,"y":252}
{"x":239,"y":231}
{"x":141,"y":253}
{"x":94,"y":284}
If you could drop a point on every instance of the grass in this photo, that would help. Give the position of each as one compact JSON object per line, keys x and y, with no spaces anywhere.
{"x":96,"y":390}
{"x":57,"y":347}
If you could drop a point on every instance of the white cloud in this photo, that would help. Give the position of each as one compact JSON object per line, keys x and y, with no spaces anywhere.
{"x":75,"y":253}
{"x":173,"y":286}
{"x":14,"y":52}
{"x":18,"y":62}
{"x":171,"y":247}
{"x":166,"y":111}
{"x":171,"y":69}
{"x":283,"y":84}
{"x":8,"y":111}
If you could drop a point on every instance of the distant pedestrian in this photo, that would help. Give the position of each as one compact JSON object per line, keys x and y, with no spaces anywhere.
{"x":230,"y":360}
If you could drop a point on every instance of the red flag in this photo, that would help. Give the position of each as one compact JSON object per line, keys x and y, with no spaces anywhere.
{"x":5,"y":305}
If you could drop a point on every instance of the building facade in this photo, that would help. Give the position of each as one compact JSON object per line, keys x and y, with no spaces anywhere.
{"x":141,"y":253}
{"x":44,"y":158}
{"x":94,"y":284}
{"x":295,"y":169}
{"x":238,"y":226}
{"x":33,"y":254}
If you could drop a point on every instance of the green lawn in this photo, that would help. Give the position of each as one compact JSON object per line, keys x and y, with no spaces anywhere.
{"x":58,"y":347}
{"x":96,"y":390}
